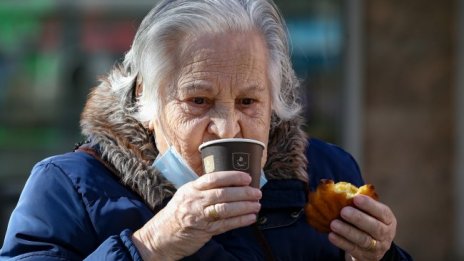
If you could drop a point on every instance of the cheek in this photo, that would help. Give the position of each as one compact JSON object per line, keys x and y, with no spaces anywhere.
{"x":186,"y":136}
{"x":258,"y":122}
{"x":184,"y":127}
{"x":257,"y":128}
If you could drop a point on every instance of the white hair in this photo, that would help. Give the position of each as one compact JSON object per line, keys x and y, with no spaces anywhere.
{"x":151,"y":58}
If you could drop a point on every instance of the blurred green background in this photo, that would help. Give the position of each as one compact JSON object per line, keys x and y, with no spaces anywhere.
{"x":380,"y":78}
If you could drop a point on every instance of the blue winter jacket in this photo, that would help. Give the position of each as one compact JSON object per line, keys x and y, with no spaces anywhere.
{"x":73,"y":208}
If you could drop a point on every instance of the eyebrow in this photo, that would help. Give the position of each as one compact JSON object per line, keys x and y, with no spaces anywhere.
{"x":253,"y":88}
{"x":207,"y":87}
{"x":196,"y":86}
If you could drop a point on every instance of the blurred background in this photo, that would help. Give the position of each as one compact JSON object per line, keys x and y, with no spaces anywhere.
{"x":383,"y":79}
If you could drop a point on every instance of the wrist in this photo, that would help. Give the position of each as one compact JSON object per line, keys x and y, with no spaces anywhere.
{"x":147,"y":246}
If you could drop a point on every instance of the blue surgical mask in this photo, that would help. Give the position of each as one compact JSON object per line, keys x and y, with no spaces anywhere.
{"x":174,"y":168}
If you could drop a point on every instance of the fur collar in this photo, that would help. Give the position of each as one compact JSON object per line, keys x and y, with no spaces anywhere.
{"x":127,"y":146}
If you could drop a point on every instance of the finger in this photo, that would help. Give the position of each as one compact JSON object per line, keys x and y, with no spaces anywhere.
{"x":364,"y":222}
{"x":222,"y":179}
{"x":374,"y":208}
{"x":342,"y":243}
{"x":231,"y":194}
{"x":351,"y":233}
{"x":353,"y":250}
{"x":224,"y":225}
{"x":234,"y":209}
{"x":348,"y":257}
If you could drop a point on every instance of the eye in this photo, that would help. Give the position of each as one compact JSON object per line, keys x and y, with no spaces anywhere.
{"x":199,"y":100}
{"x":246,"y":101}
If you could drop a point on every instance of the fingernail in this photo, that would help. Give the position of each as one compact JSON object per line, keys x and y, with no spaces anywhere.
{"x":253,"y":218}
{"x":346,"y":212}
{"x":335,"y":225}
{"x":359,"y":200}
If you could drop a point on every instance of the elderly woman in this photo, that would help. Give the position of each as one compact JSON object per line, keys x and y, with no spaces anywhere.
{"x":197,"y":71}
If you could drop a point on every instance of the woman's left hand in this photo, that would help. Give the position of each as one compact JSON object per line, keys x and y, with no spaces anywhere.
{"x":366,"y":231}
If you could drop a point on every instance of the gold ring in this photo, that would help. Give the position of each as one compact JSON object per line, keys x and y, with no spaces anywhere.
{"x":212,"y":214}
{"x":372,"y":245}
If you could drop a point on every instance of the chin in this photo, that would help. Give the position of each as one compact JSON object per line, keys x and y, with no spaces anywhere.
{"x":197,"y":168}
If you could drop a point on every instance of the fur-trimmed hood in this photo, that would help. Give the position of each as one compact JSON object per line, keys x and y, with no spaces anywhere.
{"x":129,"y":148}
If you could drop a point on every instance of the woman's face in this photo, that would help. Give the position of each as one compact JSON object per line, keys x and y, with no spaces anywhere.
{"x":221,"y":90}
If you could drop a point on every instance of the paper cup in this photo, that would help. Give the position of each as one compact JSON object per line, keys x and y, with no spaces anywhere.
{"x":233,"y":154}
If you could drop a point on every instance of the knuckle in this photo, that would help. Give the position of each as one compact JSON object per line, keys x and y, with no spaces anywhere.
{"x":188,"y":221}
{"x":210,"y":179}
{"x":366,"y":242}
{"x":219,"y":193}
{"x":382,"y":230}
{"x":205,"y":212}
{"x":348,"y":229}
{"x":220,"y":208}
{"x":387,"y":214}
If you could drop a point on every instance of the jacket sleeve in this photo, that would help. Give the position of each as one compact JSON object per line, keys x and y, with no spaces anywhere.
{"x":50,"y":222}
{"x":395,"y":253}
{"x":213,"y":251}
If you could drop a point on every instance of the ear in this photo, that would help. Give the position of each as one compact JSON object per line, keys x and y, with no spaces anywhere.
{"x":138,"y":87}
{"x":151,"y":125}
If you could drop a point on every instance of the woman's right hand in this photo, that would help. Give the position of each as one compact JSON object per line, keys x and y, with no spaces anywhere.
{"x":212,"y":204}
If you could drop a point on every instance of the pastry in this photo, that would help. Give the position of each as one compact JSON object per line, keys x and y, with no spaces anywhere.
{"x":325,"y":204}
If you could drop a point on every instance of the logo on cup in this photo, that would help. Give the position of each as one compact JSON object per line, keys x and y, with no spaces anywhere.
{"x":240,"y":160}
{"x":208,"y":162}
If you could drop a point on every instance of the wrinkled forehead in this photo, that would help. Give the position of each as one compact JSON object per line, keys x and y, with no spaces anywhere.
{"x":240,"y":55}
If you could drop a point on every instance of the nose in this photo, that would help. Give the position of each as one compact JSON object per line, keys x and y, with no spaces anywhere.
{"x":225,"y":125}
